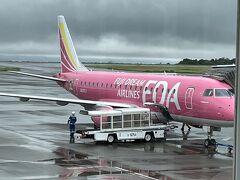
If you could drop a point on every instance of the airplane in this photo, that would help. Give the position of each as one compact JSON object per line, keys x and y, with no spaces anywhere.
{"x":195,"y":100}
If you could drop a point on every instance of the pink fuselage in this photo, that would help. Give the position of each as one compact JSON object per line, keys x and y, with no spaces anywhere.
{"x":182,"y":95}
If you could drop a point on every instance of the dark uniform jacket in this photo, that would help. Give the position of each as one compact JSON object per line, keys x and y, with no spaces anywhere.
{"x":72,"y":120}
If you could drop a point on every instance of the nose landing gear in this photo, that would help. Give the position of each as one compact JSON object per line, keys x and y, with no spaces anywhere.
{"x":209,"y":142}
{"x":211,"y":145}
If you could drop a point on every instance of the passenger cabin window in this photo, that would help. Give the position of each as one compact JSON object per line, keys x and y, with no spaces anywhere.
{"x":208,"y":92}
{"x":223,"y":93}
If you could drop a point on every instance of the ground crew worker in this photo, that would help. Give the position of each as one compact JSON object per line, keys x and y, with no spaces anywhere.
{"x":71,"y":122}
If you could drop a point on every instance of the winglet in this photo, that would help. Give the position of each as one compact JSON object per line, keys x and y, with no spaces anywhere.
{"x":69,"y":59}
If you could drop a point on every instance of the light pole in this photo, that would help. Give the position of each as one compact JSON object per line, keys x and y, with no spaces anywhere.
{"x":236,"y":159}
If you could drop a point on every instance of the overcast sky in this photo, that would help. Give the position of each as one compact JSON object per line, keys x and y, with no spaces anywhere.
{"x":136,"y":28}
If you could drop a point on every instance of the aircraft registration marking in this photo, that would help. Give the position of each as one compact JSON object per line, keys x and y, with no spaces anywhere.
{"x":83,"y":90}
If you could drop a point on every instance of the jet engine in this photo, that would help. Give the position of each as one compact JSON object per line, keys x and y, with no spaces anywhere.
{"x":96,"y":119}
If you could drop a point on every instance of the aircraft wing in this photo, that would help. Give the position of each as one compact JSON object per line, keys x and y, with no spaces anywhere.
{"x":63,"y":101}
{"x":39,"y":76}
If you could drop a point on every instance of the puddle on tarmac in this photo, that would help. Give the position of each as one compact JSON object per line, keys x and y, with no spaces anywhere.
{"x":75,"y":164}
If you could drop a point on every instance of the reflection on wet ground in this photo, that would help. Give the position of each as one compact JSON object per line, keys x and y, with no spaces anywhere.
{"x":81,"y":165}
{"x":77,"y":164}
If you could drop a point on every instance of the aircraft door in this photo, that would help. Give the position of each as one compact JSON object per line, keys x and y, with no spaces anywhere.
{"x":188,"y":98}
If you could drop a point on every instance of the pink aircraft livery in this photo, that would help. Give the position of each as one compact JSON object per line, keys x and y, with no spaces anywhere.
{"x":195,"y":100}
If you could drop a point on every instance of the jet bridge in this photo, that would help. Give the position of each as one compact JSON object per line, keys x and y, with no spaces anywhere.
{"x":224,"y":73}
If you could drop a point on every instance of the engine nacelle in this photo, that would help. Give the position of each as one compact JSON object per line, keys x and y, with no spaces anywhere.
{"x":96,"y":119}
{"x":24,"y":99}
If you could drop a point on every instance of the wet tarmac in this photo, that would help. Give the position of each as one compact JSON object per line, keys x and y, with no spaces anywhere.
{"x":34,"y":142}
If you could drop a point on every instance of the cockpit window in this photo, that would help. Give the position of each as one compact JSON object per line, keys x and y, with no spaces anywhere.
{"x":223,"y":93}
{"x":208,"y":92}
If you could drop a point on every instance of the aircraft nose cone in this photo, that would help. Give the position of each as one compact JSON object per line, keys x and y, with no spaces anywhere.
{"x":229,"y":113}
{"x":226,"y":112}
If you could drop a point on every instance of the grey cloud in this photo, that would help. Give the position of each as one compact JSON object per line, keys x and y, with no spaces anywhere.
{"x":177,"y":25}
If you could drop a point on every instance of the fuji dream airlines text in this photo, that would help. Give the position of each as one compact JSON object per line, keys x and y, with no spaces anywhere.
{"x":151,"y":91}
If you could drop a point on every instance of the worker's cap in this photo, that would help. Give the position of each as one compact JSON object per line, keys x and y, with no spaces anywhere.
{"x":73,"y":112}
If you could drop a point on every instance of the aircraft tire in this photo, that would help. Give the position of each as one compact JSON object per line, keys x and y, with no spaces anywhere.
{"x":209,"y":142}
{"x":213,"y":142}
{"x":206,"y":142}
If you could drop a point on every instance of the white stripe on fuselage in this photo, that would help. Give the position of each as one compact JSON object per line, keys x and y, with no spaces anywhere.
{"x":197,"y":121}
